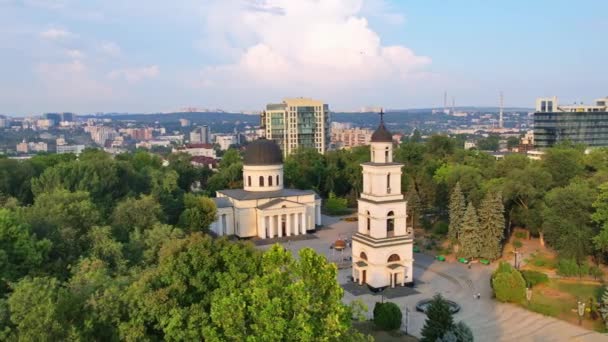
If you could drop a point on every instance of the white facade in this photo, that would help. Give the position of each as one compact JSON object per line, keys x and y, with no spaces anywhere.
{"x":225,"y":141}
{"x":264,"y":208}
{"x":383,"y":245}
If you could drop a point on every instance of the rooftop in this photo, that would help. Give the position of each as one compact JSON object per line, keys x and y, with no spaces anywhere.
{"x":244,"y":195}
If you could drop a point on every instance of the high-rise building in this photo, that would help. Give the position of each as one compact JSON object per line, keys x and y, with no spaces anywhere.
{"x":200,"y":135}
{"x":578,"y":123}
{"x":296,"y":123}
{"x":382,"y":250}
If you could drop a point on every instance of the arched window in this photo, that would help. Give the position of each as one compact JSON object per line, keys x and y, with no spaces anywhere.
{"x":249,"y":180}
{"x":390,"y":222}
{"x":277,"y":180}
{"x":261,"y":180}
{"x":386,"y":155}
{"x":393,"y":258}
{"x":388,"y":183}
{"x":363,"y":256}
{"x":369,"y":221}
{"x":269,"y":180}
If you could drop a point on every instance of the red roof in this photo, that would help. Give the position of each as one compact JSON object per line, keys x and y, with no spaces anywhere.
{"x":203,"y":160}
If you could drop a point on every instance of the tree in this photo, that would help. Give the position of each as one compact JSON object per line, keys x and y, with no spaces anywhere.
{"x":413,"y":203}
{"x":604,"y":307}
{"x":563,"y":163}
{"x":387,"y":316}
{"x":438,"y":320}
{"x":38,"y":309}
{"x":200,"y":212}
{"x":567,"y":220}
{"x":460,"y":332}
{"x":64,"y":218}
{"x":21,"y":253}
{"x":600,"y":216}
{"x":470,"y":237}
{"x":136,"y":215}
{"x":491,"y":225}
{"x":491,"y":143}
{"x":290,"y":300}
{"x":335,"y":205}
{"x":512,"y":142}
{"x":172,"y":300}
{"x":457,"y":212}
{"x":508,"y":284}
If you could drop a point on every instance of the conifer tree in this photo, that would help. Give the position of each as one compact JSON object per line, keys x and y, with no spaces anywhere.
{"x":457,"y":211}
{"x":413,"y":203}
{"x":491,"y":223}
{"x":604,"y":307}
{"x":439,"y":320}
{"x":470,"y":239}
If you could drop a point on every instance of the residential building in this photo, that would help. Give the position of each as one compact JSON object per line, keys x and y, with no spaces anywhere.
{"x":578,"y":123}
{"x":196,"y":150}
{"x":200,"y":135}
{"x":350,"y":137}
{"x":27,"y":147}
{"x":75,"y":149}
{"x":296,"y":123}
{"x":264,"y":208}
{"x":101,"y":134}
{"x":184,"y":122}
{"x":225,"y":141}
{"x":382,"y":249}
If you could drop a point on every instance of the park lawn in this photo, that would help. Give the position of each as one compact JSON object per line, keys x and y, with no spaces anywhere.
{"x":558,"y":299}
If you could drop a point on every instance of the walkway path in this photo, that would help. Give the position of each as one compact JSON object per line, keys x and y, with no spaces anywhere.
{"x":489,"y":320}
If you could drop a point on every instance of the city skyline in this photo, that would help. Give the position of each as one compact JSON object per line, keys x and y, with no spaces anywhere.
{"x":238,"y":55}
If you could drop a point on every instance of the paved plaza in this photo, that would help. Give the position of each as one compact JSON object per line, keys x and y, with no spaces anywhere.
{"x":489,"y":320}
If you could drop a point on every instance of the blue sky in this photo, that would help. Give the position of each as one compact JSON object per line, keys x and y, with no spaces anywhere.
{"x":149,"y":56}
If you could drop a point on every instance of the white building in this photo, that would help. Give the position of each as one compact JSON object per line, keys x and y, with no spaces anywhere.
{"x":383,"y":245}
{"x":264,"y":208}
{"x":197,"y":150}
{"x":225,"y":141}
{"x":76,"y":149}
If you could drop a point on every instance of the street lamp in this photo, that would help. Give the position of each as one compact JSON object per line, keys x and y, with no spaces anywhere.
{"x":581,"y":311}
{"x":407,"y":311}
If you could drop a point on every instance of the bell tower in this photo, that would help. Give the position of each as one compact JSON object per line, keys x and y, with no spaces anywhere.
{"x":383,"y":245}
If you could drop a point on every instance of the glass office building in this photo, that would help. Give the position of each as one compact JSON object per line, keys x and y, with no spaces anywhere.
{"x":584,"y":124}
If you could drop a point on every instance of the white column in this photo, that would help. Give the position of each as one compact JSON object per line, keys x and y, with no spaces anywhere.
{"x":221,"y":226}
{"x":279,"y":225}
{"x":262,"y":226}
{"x":318,"y":215}
{"x":288,"y":224}
{"x":403,"y":280}
{"x":303,"y":222}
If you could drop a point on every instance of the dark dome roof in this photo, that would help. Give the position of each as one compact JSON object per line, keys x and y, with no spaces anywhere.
{"x":263,"y":152}
{"x":382,"y":134}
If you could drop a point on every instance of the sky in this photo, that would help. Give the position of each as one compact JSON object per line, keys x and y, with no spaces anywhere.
{"x":88,"y":56}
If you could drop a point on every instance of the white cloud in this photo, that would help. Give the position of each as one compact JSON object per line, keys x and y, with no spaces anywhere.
{"x":75,"y":54}
{"x":70,"y":82}
{"x":134,"y":75}
{"x":304,"y":47}
{"x":55,"y":34}
{"x":110,"y":48}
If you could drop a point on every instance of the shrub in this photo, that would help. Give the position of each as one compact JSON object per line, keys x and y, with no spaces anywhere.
{"x":568,"y":268}
{"x":387,"y":316}
{"x":521,"y":235}
{"x":534,"y":278}
{"x":440,"y":228}
{"x":508,"y":284}
{"x":517,"y":244}
{"x":336,"y":205}
{"x":596,"y":272}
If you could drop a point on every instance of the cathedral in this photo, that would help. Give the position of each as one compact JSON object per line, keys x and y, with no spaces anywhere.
{"x":383,"y":245}
{"x":264,"y":208}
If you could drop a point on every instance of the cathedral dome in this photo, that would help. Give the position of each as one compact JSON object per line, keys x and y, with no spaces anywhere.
{"x":382,"y":134}
{"x":263,"y":152}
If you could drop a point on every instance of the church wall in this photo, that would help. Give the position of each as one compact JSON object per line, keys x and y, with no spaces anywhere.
{"x":265,"y":171}
{"x":378,"y":274}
